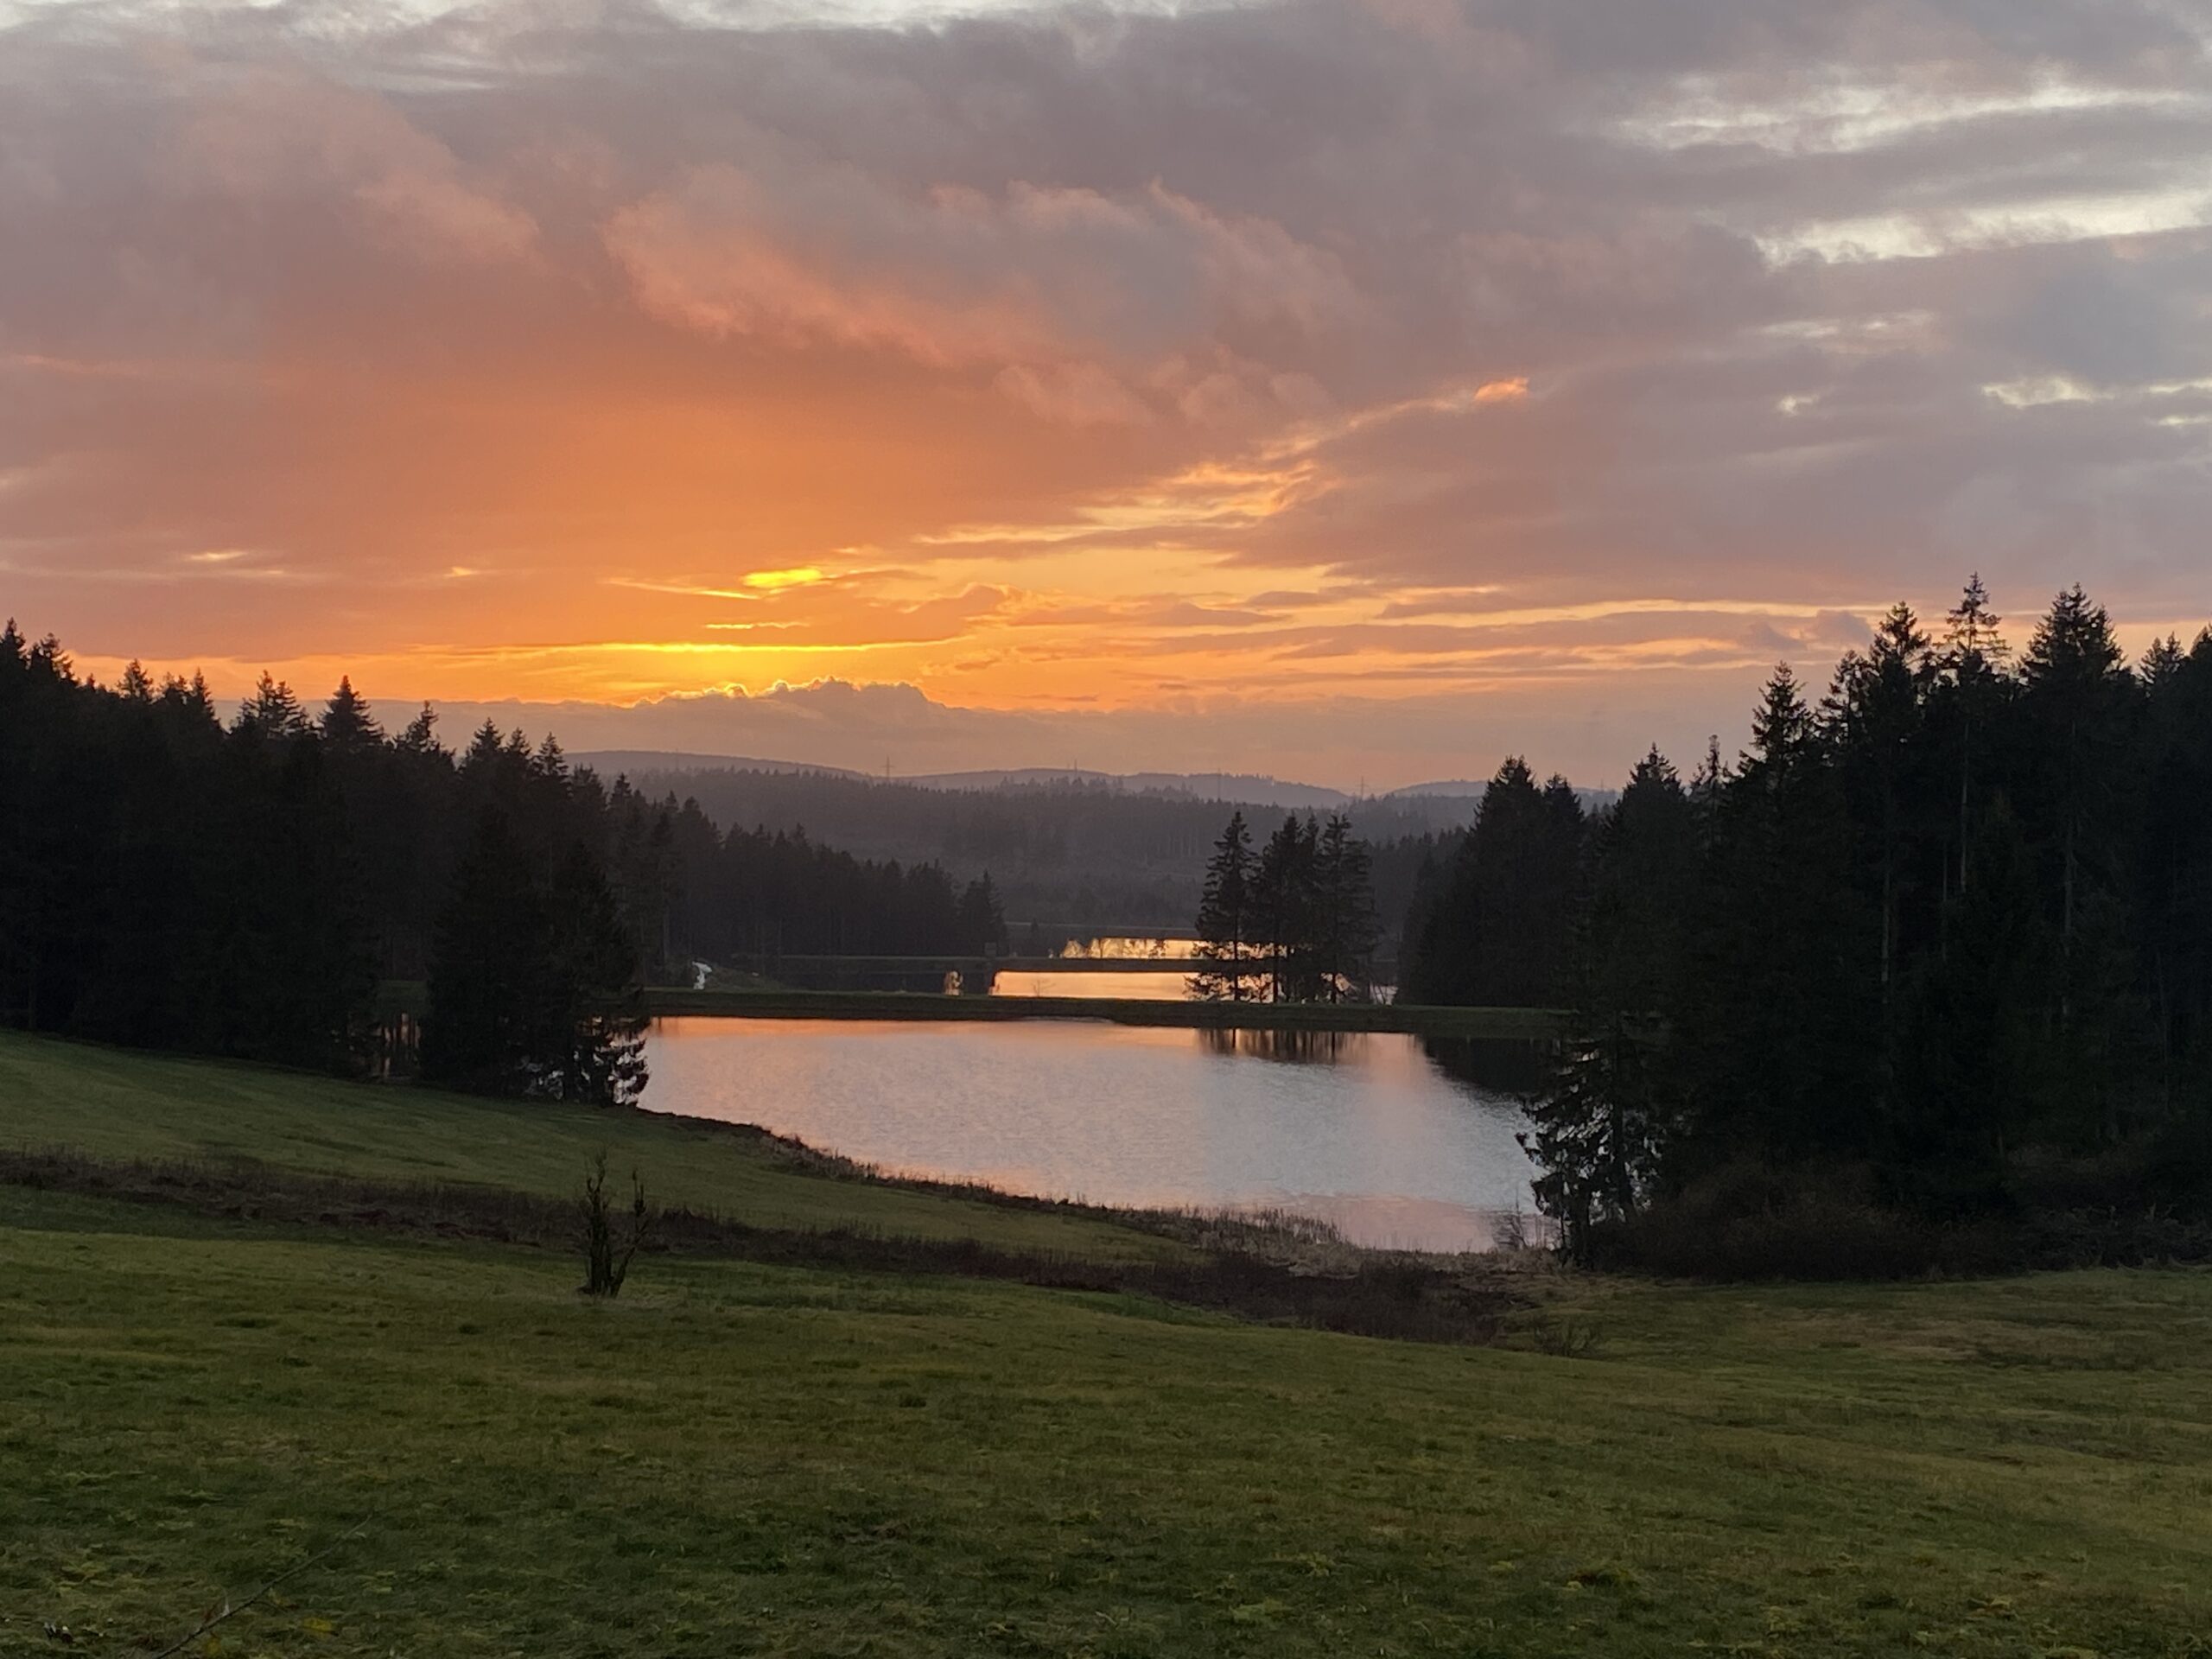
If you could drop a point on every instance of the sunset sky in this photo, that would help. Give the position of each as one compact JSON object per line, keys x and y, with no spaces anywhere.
{"x":1352,"y":390}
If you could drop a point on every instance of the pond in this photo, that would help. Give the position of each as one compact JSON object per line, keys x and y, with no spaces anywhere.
{"x":1394,"y":1141}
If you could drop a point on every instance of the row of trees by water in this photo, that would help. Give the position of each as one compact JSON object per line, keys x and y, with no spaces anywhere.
{"x":170,"y":879}
{"x":1294,"y":921}
{"x":1941,"y":936}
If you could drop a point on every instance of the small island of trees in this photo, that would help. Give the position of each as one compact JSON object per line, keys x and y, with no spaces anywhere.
{"x":1294,"y":922}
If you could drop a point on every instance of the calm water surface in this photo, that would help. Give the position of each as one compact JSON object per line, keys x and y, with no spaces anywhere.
{"x":1365,"y":1130}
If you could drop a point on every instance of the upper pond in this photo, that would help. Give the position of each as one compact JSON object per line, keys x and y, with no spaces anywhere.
{"x":1394,"y":1141}
{"x":1172,"y":985}
{"x":1164,"y":985}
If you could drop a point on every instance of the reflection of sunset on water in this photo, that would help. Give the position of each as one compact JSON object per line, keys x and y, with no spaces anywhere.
{"x":1360,"y":1129}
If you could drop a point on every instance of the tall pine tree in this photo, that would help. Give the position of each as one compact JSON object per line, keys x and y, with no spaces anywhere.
{"x":1225,"y":917}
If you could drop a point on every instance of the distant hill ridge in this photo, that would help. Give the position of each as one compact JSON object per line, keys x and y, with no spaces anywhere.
{"x":1239,"y":788}
{"x":1244,"y":788}
{"x":1094,"y":850}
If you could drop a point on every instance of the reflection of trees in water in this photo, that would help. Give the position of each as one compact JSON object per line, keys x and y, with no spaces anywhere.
{"x":1291,"y":1047}
{"x":1497,"y":1065}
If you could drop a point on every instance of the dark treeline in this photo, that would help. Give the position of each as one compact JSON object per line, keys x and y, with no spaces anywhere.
{"x":1939,"y":942}
{"x":753,"y":895}
{"x":171,"y":880}
{"x":1294,"y":921}
{"x":1489,"y":924}
{"x":1077,"y":856}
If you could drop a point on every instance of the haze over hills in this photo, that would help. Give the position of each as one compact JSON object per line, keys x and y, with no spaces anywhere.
{"x":1086,"y":852}
{"x":611,"y":763}
{"x":1239,"y":788}
{"x":1445,"y":803}
{"x":1067,"y":847}
{"x":1251,"y":790}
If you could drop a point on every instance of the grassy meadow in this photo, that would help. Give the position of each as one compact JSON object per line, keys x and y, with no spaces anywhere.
{"x":737,"y":1457}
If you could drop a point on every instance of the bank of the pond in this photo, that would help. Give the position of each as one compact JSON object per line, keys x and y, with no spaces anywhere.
{"x":110,"y":1102}
{"x":1524,"y":1025}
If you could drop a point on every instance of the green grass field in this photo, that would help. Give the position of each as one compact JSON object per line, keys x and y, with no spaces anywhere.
{"x":739,"y":1459}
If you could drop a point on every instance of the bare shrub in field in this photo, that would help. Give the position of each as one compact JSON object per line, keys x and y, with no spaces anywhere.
{"x":1564,"y":1336}
{"x":1510,"y":1235}
{"x":607,"y":1262}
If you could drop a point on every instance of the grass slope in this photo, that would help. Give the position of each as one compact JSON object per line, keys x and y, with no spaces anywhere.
{"x":116,"y":1103}
{"x":745,"y":1458}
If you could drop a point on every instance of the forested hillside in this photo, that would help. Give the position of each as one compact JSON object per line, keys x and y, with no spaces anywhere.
{"x":171,"y":880}
{"x":1939,"y":940}
{"x":1068,"y":856}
